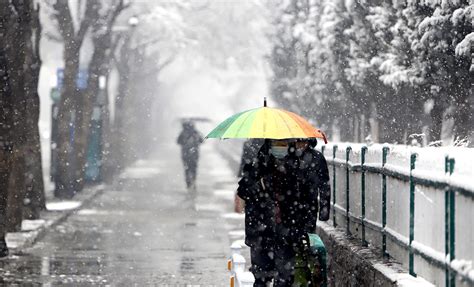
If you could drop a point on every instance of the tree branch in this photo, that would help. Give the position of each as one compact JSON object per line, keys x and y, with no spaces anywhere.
{"x":91,"y":14}
{"x":64,"y":18}
{"x":121,"y":6}
{"x":166,"y":63}
{"x":38,"y":28}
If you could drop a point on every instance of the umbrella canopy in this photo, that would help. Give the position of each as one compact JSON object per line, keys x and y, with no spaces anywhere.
{"x":266,"y":123}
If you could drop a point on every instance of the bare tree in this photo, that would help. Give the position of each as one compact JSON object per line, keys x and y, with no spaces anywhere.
{"x":34,"y":198}
{"x":70,"y":102}
{"x":138,"y":62}
{"x":6,"y":123}
{"x":22,"y":175}
{"x":98,"y":66}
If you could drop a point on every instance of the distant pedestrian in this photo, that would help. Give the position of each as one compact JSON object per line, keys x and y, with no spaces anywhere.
{"x":190,"y":139}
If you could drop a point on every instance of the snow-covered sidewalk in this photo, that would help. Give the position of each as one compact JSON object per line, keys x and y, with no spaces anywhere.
{"x":57,"y":211}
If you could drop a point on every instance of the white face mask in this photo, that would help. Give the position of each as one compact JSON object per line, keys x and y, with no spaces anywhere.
{"x":279,"y":151}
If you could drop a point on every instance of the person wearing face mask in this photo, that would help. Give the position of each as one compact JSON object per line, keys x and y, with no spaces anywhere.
{"x":306,"y":192}
{"x":281,"y":189}
{"x":261,"y":180}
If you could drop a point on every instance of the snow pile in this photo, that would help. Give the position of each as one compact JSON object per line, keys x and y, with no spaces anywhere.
{"x":30,"y":225}
{"x":463,"y":267}
{"x":63,"y":205}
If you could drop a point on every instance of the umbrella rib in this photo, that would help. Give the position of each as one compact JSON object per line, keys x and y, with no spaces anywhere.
{"x":264,"y":128}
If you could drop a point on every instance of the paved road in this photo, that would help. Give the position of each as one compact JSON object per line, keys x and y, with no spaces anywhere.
{"x":145,"y":230}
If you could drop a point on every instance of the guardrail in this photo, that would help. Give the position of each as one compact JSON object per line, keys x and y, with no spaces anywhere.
{"x":410,"y":203}
{"x":236,"y":265}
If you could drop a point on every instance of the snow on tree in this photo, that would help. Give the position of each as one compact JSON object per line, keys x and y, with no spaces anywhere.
{"x":392,"y":67}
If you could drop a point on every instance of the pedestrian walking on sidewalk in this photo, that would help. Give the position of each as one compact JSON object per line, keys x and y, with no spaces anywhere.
{"x":281,"y":190}
{"x":305,"y":195}
{"x":190,"y":139}
{"x":259,"y":217}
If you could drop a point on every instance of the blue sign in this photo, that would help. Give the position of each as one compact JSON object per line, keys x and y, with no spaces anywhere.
{"x":60,"y":75}
{"x":81,"y":79}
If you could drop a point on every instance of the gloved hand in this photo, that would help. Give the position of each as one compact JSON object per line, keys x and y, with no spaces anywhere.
{"x":324,"y":213}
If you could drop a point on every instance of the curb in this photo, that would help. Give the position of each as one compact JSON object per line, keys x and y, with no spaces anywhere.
{"x":34,"y":230}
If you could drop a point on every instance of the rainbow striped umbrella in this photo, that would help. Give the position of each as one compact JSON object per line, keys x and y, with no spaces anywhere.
{"x":266,"y":123}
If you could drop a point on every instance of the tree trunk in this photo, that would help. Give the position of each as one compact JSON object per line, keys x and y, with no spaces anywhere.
{"x":66,"y":186}
{"x":436,"y":121}
{"x":17,"y":62}
{"x":107,"y":132}
{"x":35,"y":198}
{"x":119,"y":142}
{"x":83,"y":127}
{"x":462,"y":87}
{"x":96,"y":68}
{"x":5,"y":171}
{"x":6,"y":121}
{"x":17,"y":186}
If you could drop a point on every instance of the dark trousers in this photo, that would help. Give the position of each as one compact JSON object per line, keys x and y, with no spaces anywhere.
{"x":263,"y":265}
{"x":190,"y":170}
{"x":285,"y":255}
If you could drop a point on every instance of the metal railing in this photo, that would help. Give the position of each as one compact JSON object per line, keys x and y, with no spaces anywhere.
{"x":408,"y":203}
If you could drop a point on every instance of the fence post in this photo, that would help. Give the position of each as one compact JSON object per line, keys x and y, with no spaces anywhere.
{"x":362,"y":180}
{"x":348,"y":219}
{"x":446,"y":222}
{"x":323,"y":148}
{"x":412,"y":216}
{"x":452,"y":225}
{"x":384,"y":202}
{"x":334,"y":150}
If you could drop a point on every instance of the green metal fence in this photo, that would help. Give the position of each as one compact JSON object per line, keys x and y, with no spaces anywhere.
{"x":397,"y":217}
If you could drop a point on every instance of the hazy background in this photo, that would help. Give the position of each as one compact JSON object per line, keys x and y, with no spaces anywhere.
{"x":219,"y":61}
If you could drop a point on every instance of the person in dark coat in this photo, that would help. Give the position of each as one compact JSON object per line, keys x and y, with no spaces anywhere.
{"x":263,"y":178}
{"x":190,"y":140}
{"x":259,"y":217}
{"x":281,"y":191}
{"x":306,"y":194}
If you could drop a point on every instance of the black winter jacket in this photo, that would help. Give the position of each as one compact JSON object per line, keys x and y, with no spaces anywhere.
{"x":308,"y":188}
{"x":259,"y":204}
{"x":282,"y":198}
